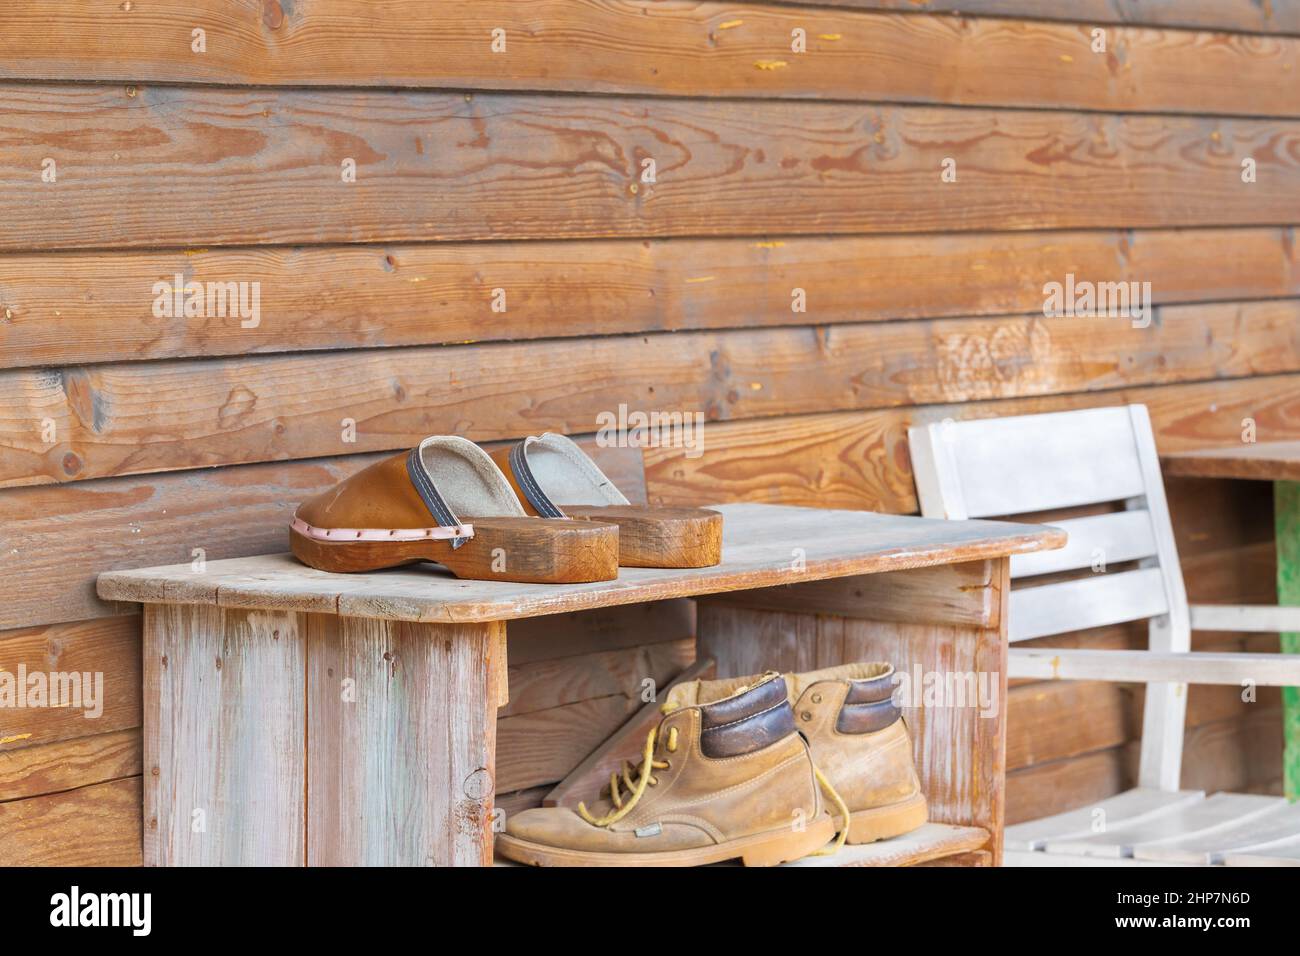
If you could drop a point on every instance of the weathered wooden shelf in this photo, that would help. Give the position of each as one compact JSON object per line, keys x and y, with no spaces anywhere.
{"x":934,"y":841}
{"x":763,"y":545}
{"x":322,"y":719}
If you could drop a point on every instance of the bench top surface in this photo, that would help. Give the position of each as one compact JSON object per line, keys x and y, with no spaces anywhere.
{"x":762,"y":546}
{"x":1260,"y":461}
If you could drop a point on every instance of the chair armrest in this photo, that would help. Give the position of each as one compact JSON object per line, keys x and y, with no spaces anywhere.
{"x":1255,"y":618}
{"x":1195,"y":667}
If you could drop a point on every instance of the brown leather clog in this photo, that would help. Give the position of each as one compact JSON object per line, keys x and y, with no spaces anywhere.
{"x":555,"y":478}
{"x":446,"y":501}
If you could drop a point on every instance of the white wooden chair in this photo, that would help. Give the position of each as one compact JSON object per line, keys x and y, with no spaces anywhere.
{"x":1009,"y":467}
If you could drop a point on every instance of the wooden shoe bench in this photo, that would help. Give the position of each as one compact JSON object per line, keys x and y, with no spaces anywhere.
{"x":294,"y":717}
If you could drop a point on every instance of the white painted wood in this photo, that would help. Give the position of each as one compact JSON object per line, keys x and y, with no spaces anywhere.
{"x":1009,"y":466}
{"x":1165,"y":709}
{"x":1164,"y":714}
{"x":1031,"y":463}
{"x":1022,"y":858}
{"x":1092,"y":601}
{"x":1194,"y":667}
{"x":1106,"y":539}
{"x":1203,"y":818}
{"x":1253,"y":618}
{"x":1129,"y":807}
{"x":1281,"y":823}
{"x":1280,"y":853}
{"x":938,"y":482}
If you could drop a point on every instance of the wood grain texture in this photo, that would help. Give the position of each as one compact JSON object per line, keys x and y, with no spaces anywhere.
{"x":56,"y":540}
{"x":98,"y":825}
{"x":400,"y":744}
{"x":763,"y":545}
{"x":95,"y":307}
{"x":224,"y":732}
{"x":92,"y":667}
{"x":696,"y":49}
{"x":545,"y":746}
{"x":946,"y":594}
{"x":597,"y":673}
{"x":959,"y":754}
{"x":69,"y":764}
{"x":1257,"y":461}
{"x":624,"y":745}
{"x":49,"y":541}
{"x":103,"y":421}
{"x":533,"y":640}
{"x":861,"y":460}
{"x":189,"y":166}
{"x":1276,"y":17}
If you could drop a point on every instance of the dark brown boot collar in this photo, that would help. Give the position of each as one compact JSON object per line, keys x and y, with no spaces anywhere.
{"x":748,"y":721}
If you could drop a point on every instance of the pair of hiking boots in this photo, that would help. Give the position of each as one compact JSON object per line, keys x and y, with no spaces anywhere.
{"x":766,"y":769}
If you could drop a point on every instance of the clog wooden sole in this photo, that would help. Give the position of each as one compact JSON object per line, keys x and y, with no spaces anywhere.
{"x":519,"y":550}
{"x":651,"y":537}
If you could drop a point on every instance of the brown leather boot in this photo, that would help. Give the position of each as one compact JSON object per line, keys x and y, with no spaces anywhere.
{"x":725,"y":775}
{"x":859,"y":741}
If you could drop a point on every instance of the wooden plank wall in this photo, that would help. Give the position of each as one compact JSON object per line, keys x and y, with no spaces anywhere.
{"x":136,"y":149}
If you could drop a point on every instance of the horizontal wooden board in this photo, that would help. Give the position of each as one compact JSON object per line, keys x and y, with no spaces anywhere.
{"x":56,"y":539}
{"x":544,"y":746}
{"x":99,"y":825}
{"x":1266,"y":461}
{"x":146,"y":417}
{"x":1045,"y":789}
{"x":1272,"y":16}
{"x":95,"y":666}
{"x":69,"y":764}
{"x":861,"y":460}
{"x":159,"y":166}
{"x":696,"y":49}
{"x":598,"y":673}
{"x":947,"y":594}
{"x":762,"y":545}
{"x":535,"y":640}
{"x":1053,"y":721}
{"x":82,"y":307}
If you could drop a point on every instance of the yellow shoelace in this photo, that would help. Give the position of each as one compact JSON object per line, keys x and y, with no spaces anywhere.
{"x":832,"y":849}
{"x":647,"y":778}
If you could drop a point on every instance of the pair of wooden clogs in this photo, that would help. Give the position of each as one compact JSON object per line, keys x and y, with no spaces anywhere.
{"x":538,"y":512}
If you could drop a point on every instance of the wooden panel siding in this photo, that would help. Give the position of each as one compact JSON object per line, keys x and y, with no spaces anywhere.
{"x":130,"y":439}
{"x":698,"y":49}
{"x":142,"y":417}
{"x":83,"y":307}
{"x":189,"y":166}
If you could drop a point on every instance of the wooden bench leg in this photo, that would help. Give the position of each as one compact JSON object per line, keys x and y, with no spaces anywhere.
{"x":942,"y":627}
{"x":284,"y":739}
{"x":223,"y":737}
{"x":401,"y":741}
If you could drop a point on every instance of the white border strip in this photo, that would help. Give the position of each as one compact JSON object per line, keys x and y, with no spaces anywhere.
{"x":381,"y":534}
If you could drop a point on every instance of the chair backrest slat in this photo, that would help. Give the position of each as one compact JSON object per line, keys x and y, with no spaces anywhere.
{"x":1017,"y":467}
{"x":1086,"y":602}
{"x":1008,"y":466}
{"x":1096,"y":541}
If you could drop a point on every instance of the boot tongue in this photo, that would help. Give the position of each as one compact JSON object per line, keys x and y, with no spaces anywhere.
{"x":698,"y":693}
